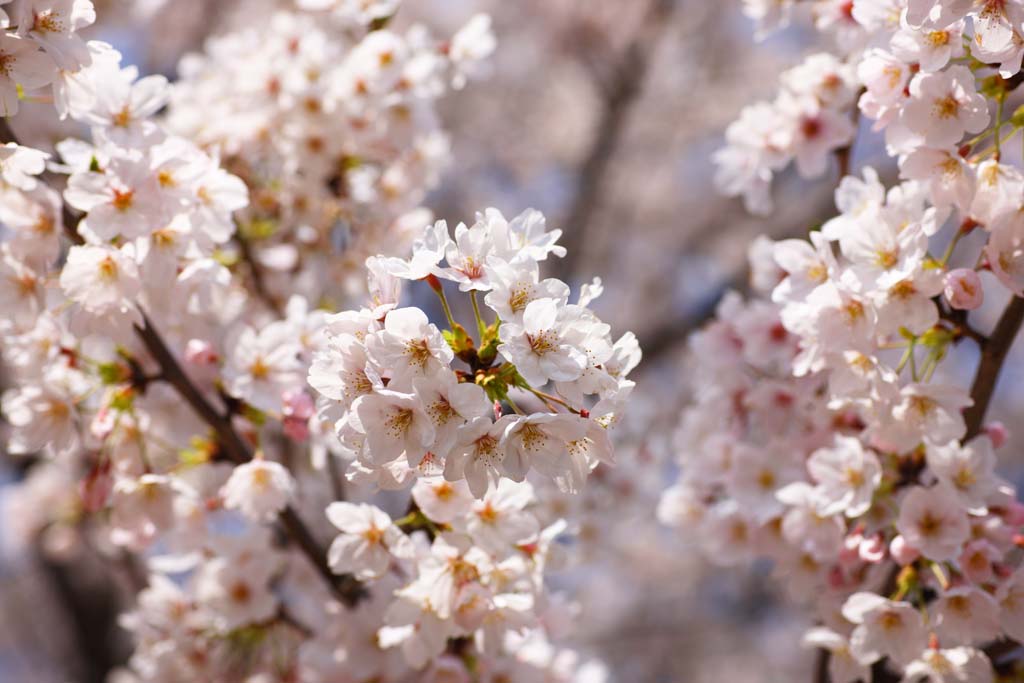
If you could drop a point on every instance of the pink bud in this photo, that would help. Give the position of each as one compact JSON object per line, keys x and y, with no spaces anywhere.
{"x":296,"y":430}
{"x":872,"y":549}
{"x":902,"y":552}
{"x":297,"y":407}
{"x":297,"y":404}
{"x":963,"y":289}
{"x":997,"y":433}
{"x":200,"y":352}
{"x":836,"y":580}
{"x":1014,"y":515}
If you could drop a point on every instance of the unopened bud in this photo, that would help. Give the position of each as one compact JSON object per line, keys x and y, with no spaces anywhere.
{"x":963,"y":289}
{"x":997,"y":433}
{"x":200,"y":352}
{"x":902,"y":552}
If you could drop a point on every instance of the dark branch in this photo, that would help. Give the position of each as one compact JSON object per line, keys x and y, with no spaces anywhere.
{"x":344,"y":587}
{"x":993,"y":353}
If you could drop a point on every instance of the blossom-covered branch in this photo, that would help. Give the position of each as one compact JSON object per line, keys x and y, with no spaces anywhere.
{"x":830,"y":435}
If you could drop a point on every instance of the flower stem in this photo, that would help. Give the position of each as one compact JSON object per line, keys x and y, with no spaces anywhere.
{"x":480,"y":326}
{"x":999,"y":124}
{"x":512,"y":404}
{"x":446,"y":307}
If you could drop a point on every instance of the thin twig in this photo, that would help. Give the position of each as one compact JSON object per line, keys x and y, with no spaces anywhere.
{"x":259,"y":285}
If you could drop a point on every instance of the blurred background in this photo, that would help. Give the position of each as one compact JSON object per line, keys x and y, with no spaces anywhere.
{"x":603,"y":114}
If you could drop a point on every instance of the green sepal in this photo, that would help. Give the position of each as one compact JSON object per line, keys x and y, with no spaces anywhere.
{"x":122,"y":399}
{"x":489,"y":344}
{"x":113,"y":373}
{"x":993,"y":86}
{"x":254,"y":415}
{"x":1017,"y":119}
{"x":461,"y":343}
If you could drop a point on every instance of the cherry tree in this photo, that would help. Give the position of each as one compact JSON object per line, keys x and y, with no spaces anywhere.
{"x":217,"y":381}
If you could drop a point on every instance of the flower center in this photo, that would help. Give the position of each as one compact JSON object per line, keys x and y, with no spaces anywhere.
{"x":398,"y":424}
{"x":947,"y":107}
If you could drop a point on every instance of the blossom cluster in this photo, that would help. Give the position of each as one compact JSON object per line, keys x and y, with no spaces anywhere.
{"x":809,"y":120}
{"x":213,"y":428}
{"x":924,"y":72}
{"x":333,"y":129}
{"x":398,"y":404}
{"x":826,"y":431}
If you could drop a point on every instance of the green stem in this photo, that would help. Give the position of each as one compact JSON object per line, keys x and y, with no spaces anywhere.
{"x":913,"y":361}
{"x":931,"y":363}
{"x":512,"y":404}
{"x":480,"y":326}
{"x":999,"y":123}
{"x":906,"y":357}
{"x":949,"y":249}
{"x":446,"y":307}
{"x":547,"y":398}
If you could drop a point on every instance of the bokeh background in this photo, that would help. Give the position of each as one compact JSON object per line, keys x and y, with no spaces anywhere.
{"x":603,"y":114}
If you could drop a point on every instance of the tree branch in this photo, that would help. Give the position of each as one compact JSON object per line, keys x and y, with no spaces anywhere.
{"x":619,"y":96}
{"x":345,"y":587}
{"x":993,"y":353}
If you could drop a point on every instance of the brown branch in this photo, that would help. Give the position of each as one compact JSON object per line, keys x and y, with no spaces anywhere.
{"x":993,"y":353}
{"x":620,"y":94}
{"x":345,"y":587}
{"x":994,"y":350}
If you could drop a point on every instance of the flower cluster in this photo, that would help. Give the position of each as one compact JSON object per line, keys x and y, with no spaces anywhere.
{"x":826,"y":431}
{"x":334,"y":130}
{"x":927,"y":73}
{"x":808,"y":121}
{"x":40,"y":46}
{"x":399,"y":406}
